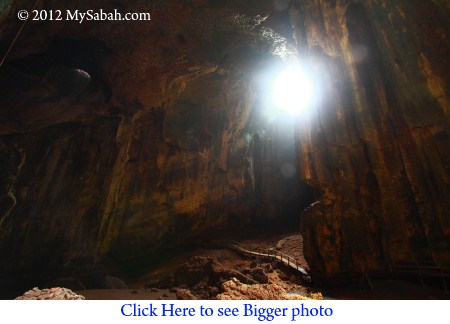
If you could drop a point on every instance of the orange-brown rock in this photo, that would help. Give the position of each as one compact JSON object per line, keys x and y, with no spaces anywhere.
{"x":122,"y":140}
{"x":376,"y":148}
{"x":235,"y":290}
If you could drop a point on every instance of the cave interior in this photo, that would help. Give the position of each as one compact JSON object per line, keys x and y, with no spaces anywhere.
{"x":123,"y":143}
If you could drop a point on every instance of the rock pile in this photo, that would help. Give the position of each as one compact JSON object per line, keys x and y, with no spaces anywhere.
{"x":203,"y":276}
{"x":57,"y":293}
{"x":236,"y":290}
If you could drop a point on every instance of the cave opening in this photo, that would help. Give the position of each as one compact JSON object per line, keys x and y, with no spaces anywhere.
{"x":279,"y":193}
{"x":144,"y":150}
{"x":293,"y":91}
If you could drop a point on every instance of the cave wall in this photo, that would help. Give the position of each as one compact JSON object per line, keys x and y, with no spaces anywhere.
{"x":120,"y":141}
{"x":376,"y":146}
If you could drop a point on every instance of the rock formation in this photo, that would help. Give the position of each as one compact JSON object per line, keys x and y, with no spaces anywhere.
{"x":377,"y":146}
{"x":122,"y":140}
{"x":56,"y":293}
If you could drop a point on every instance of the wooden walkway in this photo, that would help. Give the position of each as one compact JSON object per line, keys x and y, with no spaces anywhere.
{"x":420,"y":269}
{"x":269,"y":253}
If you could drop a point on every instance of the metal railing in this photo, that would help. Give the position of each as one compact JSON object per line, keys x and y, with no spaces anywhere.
{"x":421,"y":269}
{"x":424,"y":269}
{"x":360,"y":276}
{"x":266,"y":253}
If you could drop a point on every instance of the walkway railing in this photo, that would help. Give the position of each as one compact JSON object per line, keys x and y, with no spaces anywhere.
{"x":265,"y":253}
{"x":424,"y":269}
{"x":420,"y":269}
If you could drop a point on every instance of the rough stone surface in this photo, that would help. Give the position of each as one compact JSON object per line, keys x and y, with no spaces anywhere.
{"x":236,"y":290}
{"x":149,"y":143}
{"x":56,"y":293}
{"x":257,"y":274}
{"x":376,"y":148}
{"x":120,"y":141}
{"x":194,"y":271}
{"x":185,"y":294}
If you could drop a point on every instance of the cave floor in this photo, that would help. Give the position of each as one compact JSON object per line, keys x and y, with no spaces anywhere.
{"x":207,"y":273}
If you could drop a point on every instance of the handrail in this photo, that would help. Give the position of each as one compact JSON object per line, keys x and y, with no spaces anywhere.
{"x":269,"y":253}
{"x":421,"y":269}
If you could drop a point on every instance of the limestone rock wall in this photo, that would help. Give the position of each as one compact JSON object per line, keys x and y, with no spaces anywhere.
{"x":377,"y":145}
{"x":123,"y":140}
